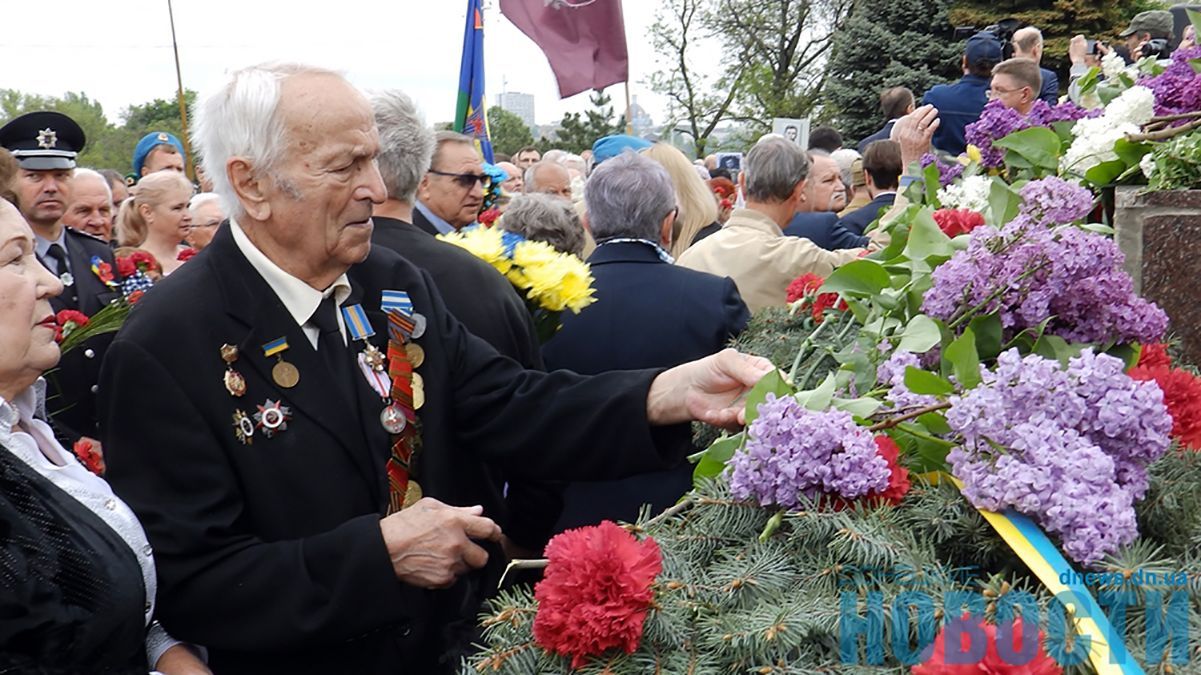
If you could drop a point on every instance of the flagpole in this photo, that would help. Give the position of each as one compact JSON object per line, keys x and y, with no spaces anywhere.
{"x":629,"y":118}
{"x":183,"y":106}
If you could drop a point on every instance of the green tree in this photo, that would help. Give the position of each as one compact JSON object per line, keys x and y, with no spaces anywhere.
{"x":107,"y":147}
{"x":887,"y":43}
{"x":577,"y":132}
{"x":507,"y":131}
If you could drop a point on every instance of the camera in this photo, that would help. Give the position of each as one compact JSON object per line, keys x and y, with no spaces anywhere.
{"x":1002,"y":30}
{"x":1156,"y":48}
{"x":1090,"y":47}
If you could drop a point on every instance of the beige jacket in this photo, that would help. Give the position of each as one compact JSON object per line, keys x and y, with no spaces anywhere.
{"x":761,"y":260}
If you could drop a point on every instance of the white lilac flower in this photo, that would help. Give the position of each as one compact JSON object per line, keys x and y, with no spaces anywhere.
{"x":1112,"y":65}
{"x":971,"y":193}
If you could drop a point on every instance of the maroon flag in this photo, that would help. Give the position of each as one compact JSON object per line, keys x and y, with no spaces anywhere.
{"x":584,"y":40}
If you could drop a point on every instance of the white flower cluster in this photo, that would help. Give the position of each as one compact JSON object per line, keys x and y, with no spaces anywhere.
{"x":1095,"y":137}
{"x":1112,"y":65}
{"x":970,"y":193}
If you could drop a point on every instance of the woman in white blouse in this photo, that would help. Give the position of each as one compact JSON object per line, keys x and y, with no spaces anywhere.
{"x":77,"y":575}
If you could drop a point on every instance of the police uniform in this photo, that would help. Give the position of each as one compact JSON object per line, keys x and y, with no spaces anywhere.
{"x":50,"y":141}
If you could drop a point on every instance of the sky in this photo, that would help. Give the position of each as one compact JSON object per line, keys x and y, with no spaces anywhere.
{"x":119,"y":52}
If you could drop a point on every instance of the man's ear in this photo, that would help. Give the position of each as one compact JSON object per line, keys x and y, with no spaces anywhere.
{"x":665,"y":229}
{"x":585,"y":223}
{"x":249,"y":187}
{"x":799,"y":195}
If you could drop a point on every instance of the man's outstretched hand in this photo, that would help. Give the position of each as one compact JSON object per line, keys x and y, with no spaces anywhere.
{"x":712,"y":390}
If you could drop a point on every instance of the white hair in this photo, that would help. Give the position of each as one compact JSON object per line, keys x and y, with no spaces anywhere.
{"x":241,"y":120}
{"x":205,"y":198}
{"x":81,"y":172}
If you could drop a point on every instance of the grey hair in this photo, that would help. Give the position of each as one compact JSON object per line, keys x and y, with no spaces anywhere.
{"x":545,"y":218}
{"x":444,"y":137}
{"x":628,"y":196}
{"x":845,"y":158}
{"x":773,"y":168}
{"x":81,"y":172}
{"x":242,"y":120}
{"x":406,"y":143}
{"x":203,"y":198}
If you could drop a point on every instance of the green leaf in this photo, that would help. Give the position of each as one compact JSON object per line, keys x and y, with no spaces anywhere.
{"x":987,"y":330}
{"x":859,"y":277}
{"x":925,"y":239}
{"x":932,"y":183}
{"x":712,"y":461}
{"x":923,"y":452}
{"x":1131,"y":153}
{"x":1105,"y":173}
{"x":1039,"y":146}
{"x":921,"y":381}
{"x":920,"y":335}
{"x":935,"y":422}
{"x":963,"y":359}
{"x":1003,"y":203}
{"x":1098,"y":228}
{"x":1127,"y":352}
{"x":771,"y":383}
{"x":859,"y":407}
{"x":819,"y":398}
{"x":1089,"y":80}
{"x":1055,"y":347}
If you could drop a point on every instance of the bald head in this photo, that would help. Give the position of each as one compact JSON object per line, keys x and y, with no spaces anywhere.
{"x":548,"y":177}
{"x":515,"y":183}
{"x":1028,"y":43}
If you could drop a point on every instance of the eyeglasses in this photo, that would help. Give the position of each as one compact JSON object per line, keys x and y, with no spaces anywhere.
{"x":994,"y":92}
{"x":214,"y":223}
{"x":467,"y":180}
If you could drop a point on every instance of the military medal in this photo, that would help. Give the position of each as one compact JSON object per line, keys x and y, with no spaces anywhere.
{"x":418,"y":325}
{"x":413,"y":494}
{"x":67,"y":279}
{"x":272,"y":417}
{"x":283,"y":373}
{"x":243,"y":428}
{"x":406,"y":395}
{"x":393,"y":419}
{"x":235,"y":384}
{"x":415,"y":353}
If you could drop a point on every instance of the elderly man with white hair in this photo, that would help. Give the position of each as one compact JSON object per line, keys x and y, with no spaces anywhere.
{"x":91,"y":207}
{"x":207,"y":214}
{"x":307,"y":433}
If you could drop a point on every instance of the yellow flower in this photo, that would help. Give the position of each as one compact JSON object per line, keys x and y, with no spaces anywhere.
{"x":557,"y":281}
{"x":484,"y":243}
{"x":973,"y":154}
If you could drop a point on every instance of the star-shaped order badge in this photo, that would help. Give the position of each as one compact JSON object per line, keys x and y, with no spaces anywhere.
{"x":272,"y":417}
{"x":47,"y":138}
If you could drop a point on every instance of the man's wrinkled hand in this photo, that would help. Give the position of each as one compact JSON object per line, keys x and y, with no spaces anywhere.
{"x":430,"y":543}
{"x":711,"y":390}
{"x":914,"y":132}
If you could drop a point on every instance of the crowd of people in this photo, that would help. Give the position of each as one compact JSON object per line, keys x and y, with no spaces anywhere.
{"x":324,"y":431}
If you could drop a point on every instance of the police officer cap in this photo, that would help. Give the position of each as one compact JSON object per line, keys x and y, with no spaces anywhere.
{"x":43,"y":141}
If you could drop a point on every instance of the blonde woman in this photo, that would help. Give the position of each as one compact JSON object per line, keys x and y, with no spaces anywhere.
{"x":698,"y":209}
{"x":156,"y":218}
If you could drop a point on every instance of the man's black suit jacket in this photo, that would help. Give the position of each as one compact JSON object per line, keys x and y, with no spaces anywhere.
{"x":647,"y":314}
{"x":71,"y":395}
{"x":822,"y":228}
{"x":270,"y":553}
{"x":857,"y":221}
{"x":881,"y":135}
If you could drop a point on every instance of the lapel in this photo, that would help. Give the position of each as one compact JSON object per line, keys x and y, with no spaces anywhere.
{"x":249,"y":299}
{"x":422,"y":222}
{"x":92,"y":292}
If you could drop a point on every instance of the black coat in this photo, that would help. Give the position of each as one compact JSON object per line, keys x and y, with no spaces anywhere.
{"x":881,"y":135}
{"x":857,"y":221}
{"x":488,"y":306}
{"x":647,"y":314}
{"x":71,"y":396}
{"x":822,"y":228}
{"x":270,"y":554}
{"x":423,"y":223}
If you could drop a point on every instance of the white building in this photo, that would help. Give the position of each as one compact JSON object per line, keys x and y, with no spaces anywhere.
{"x":519,"y":104}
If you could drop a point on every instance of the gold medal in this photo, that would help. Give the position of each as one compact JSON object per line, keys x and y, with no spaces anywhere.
{"x":418,"y":396}
{"x":413,"y":494}
{"x":285,"y":374}
{"x":415,"y":353}
{"x":243,"y":428}
{"x":235,"y":384}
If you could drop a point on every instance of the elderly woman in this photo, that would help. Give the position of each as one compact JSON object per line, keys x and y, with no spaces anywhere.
{"x":156,"y":217}
{"x":78,"y":578}
{"x":546,"y":218}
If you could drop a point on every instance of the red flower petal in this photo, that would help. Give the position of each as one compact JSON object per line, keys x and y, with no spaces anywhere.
{"x":991,"y":662}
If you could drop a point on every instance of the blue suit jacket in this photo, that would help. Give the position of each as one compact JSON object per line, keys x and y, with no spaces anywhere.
{"x":822,"y":228}
{"x":648,"y":314}
{"x":881,"y":135}
{"x":857,"y":221}
{"x":1050,"y":89}
{"x":959,"y":105}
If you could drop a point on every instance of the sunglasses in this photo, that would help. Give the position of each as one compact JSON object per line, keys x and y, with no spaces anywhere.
{"x":467,"y":180}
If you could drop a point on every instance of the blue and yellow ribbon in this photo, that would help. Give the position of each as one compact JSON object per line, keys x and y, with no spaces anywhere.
{"x":357,"y":323}
{"x":276,"y":346}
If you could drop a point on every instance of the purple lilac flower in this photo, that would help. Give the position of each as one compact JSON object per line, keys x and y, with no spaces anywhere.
{"x":1040,"y":439}
{"x":793,"y":452}
{"x":892,"y":373}
{"x":1178,"y":88}
{"x":1029,"y":273}
{"x":1044,"y":115}
{"x":947,"y":172}
{"x":1055,"y":201}
{"x":996,"y":122}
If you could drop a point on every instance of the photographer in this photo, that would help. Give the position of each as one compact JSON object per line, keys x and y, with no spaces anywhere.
{"x":1148,"y":35}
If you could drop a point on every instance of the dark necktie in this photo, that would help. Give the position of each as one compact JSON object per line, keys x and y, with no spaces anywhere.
{"x":332,"y":349}
{"x":70,"y":296}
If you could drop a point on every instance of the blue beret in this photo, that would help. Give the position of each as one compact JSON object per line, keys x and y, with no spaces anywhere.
{"x":151,"y":141}
{"x":612,"y":146}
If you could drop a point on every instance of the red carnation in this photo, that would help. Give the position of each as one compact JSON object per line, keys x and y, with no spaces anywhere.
{"x":804,"y":288}
{"x":992,"y":662}
{"x":136,"y":295}
{"x":186,"y":254}
{"x":596,"y":591}
{"x":68,"y":320}
{"x":898,"y":477}
{"x":954,"y":222}
{"x":1181,"y":395}
{"x":489,"y":217}
{"x":104,"y":272}
{"x":126,"y":267}
{"x":144,"y":261}
{"x":89,"y":455}
{"x":1154,"y":354}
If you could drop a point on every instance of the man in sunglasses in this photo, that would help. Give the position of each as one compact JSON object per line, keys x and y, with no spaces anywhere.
{"x":452,"y":192}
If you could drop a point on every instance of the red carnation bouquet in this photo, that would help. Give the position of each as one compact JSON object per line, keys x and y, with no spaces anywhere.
{"x":136,"y":261}
{"x":954,"y":222}
{"x":991,"y":662}
{"x":1181,"y":392}
{"x":804,"y":288}
{"x":596,"y":592}
{"x":68,"y":321}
